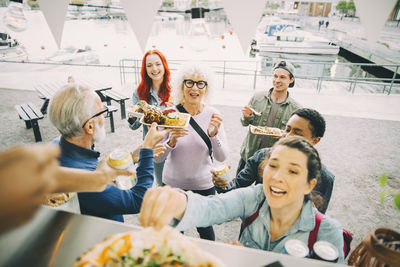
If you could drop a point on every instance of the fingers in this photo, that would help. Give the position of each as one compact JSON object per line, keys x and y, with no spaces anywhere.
{"x":178,"y":133}
{"x":149,"y":200}
{"x":158,"y":150}
{"x":160,"y":205}
{"x":246,"y":111}
{"x":216,"y":120}
{"x":219,"y":182}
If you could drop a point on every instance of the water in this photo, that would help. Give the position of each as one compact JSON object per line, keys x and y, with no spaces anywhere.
{"x":113,"y":39}
{"x":312,"y":66}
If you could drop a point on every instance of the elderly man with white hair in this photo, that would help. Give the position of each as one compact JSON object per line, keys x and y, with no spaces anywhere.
{"x":78,"y":114}
{"x":189,"y":153}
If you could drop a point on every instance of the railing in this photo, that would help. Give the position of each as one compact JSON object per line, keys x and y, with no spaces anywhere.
{"x":256,"y":69}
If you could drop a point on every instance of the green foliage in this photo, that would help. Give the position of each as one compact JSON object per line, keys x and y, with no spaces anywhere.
{"x":382,"y":197}
{"x":33,"y":4}
{"x":342,"y":6}
{"x":351,"y":6}
{"x":78,"y":2}
{"x":272,"y":5}
{"x":388,"y":192}
{"x":397,"y":201}
{"x":383,"y":180}
{"x":167,"y":3}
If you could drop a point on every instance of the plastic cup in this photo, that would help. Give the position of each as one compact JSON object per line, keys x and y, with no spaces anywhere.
{"x":222,"y":171}
{"x":121,"y":159}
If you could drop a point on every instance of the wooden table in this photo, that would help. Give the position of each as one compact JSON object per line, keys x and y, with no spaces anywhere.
{"x":46,"y":91}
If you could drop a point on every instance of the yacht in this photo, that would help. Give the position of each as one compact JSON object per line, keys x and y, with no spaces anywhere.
{"x":11,"y":49}
{"x":275,"y":35}
{"x":75,"y":55}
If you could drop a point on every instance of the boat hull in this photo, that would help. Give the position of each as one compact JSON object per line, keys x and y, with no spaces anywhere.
{"x":316,"y":50}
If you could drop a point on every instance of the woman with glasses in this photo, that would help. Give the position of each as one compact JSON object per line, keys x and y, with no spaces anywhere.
{"x":154,"y":88}
{"x":190,"y":152}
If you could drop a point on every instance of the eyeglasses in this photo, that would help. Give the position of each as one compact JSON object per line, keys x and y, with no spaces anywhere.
{"x":191,"y":83}
{"x":97,"y":114}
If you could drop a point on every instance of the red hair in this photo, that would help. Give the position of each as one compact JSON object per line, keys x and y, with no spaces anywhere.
{"x":143,"y":89}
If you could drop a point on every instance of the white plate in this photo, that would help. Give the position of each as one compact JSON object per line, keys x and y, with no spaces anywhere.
{"x":170,"y":126}
{"x":262,"y":130}
{"x":131,"y":111}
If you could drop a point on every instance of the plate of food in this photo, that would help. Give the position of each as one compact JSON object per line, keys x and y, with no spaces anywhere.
{"x":265,"y":130}
{"x":147,"y":247}
{"x":169,"y":118}
{"x":138,"y":109}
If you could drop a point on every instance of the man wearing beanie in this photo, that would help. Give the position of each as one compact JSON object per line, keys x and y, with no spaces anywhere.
{"x":275,"y":106}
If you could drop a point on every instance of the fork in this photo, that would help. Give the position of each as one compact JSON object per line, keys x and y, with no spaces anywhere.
{"x":255,"y":112}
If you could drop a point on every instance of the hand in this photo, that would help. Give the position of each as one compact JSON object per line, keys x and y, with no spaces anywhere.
{"x":175,"y":135}
{"x":246,"y":111}
{"x":154,"y":136}
{"x":215,"y":123}
{"x":109,"y":173}
{"x":27,"y":175}
{"x":218,"y":181}
{"x":160,"y":205}
{"x":158,"y":150}
{"x":169,"y":104}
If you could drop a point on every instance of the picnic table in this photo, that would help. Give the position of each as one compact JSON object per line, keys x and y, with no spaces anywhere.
{"x":47,"y":90}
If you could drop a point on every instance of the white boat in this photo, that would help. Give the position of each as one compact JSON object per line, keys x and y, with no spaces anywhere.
{"x":11,"y":49}
{"x":75,"y":55}
{"x":279,"y":36}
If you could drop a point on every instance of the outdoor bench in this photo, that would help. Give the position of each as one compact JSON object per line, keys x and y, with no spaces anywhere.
{"x":111,"y":110}
{"x":117,"y":97}
{"x":30,"y":114}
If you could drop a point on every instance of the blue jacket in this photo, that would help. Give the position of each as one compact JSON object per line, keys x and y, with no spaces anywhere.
{"x":112,"y":202}
{"x":250,"y":174}
{"x":205,"y":211}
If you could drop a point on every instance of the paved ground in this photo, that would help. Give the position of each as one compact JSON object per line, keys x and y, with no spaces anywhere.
{"x":356,"y":150}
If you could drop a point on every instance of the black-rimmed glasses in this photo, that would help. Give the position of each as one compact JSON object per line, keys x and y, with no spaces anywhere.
{"x":97,"y":114}
{"x":191,"y":83}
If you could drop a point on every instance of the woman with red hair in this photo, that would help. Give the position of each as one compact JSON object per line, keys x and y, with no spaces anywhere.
{"x":155,"y":89}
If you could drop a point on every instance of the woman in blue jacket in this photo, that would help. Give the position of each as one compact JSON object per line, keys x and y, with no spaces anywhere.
{"x":283,"y":200}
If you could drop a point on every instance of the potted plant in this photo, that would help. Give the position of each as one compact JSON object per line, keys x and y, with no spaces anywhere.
{"x":381,"y":247}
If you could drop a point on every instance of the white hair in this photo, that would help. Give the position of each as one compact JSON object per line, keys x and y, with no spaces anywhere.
{"x":187,"y":70}
{"x":70,"y":107}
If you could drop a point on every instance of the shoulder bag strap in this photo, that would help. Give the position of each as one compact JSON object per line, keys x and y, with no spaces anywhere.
{"x":249,"y":220}
{"x":198,"y":129}
{"x":312,"y":238}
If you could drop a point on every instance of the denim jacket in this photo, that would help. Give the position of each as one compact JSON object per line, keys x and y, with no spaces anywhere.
{"x":262,"y":102}
{"x":205,"y":211}
{"x":249,"y":175}
{"x":154,"y":100}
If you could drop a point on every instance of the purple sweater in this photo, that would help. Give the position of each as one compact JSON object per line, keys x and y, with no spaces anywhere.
{"x":188,"y":164}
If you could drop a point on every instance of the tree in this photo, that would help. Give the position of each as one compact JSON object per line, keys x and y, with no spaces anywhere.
{"x":342,"y":6}
{"x":351,"y":6}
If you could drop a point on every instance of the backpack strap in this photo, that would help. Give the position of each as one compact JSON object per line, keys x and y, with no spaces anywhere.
{"x":249,"y":220}
{"x":312,"y":238}
{"x":198,"y":129}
